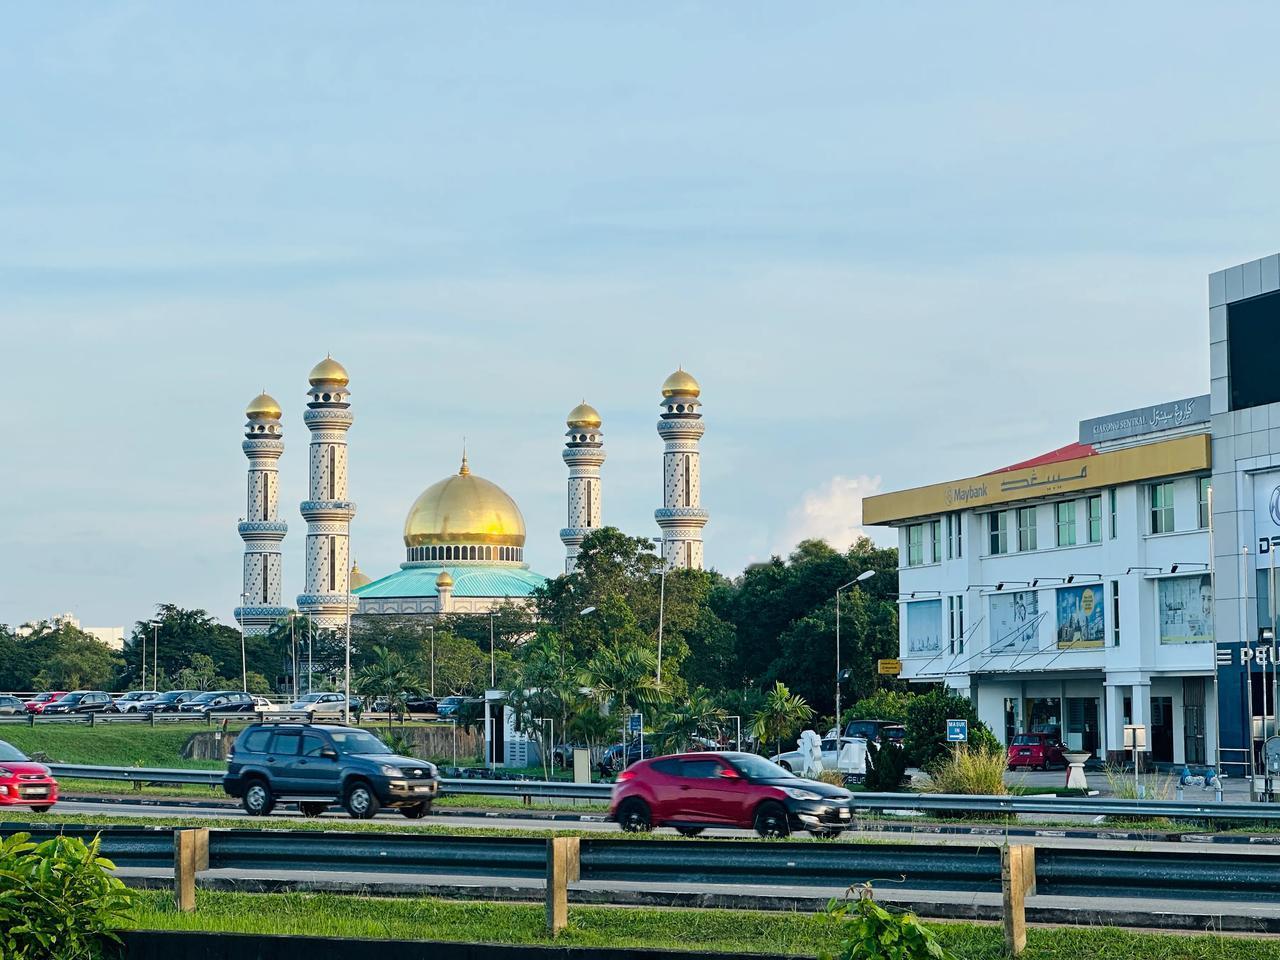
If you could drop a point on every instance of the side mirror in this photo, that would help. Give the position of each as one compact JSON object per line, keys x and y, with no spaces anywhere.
{"x":329,"y":753}
{"x":728,"y":773}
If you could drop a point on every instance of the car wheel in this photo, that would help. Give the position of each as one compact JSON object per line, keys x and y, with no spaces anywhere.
{"x":415,"y":812}
{"x":361,"y":802}
{"x":257,"y":800}
{"x":313,"y":809}
{"x":43,"y":808}
{"x":689,"y":831}
{"x":771,"y":820}
{"x":634,"y":816}
{"x":785,"y":766}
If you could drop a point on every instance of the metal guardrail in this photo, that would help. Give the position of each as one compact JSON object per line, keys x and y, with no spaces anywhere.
{"x":1078,"y":872}
{"x":907,"y":802}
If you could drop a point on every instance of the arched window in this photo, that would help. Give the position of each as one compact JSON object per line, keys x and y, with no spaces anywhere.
{"x":471,"y":554}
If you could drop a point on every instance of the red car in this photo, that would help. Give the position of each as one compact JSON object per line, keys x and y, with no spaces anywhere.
{"x":693,"y":791}
{"x":1038,"y":751}
{"x":23,"y":783}
{"x":41,"y":700}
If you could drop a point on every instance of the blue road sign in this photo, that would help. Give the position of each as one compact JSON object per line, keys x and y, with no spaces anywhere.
{"x":633,"y":723}
{"x":957,"y":731}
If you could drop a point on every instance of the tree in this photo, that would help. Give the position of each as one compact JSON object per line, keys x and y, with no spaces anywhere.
{"x":623,"y":677}
{"x":176,"y":634}
{"x":387,"y":677}
{"x":682,"y":722}
{"x":882,"y":705}
{"x":782,"y":713}
{"x":927,"y":716}
{"x":199,"y":674}
{"x":59,"y":656}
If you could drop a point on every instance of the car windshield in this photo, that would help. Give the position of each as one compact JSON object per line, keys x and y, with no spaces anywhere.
{"x":72,"y":698}
{"x":310,"y":698}
{"x":358,"y":741}
{"x":1026,"y":740}
{"x":758,"y":768}
{"x":205,"y":697}
{"x":10,"y":752}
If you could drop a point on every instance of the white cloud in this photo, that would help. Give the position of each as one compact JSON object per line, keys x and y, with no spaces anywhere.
{"x":832,"y":512}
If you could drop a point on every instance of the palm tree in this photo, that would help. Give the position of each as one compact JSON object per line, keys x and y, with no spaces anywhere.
{"x":587,"y":724}
{"x":623,"y":676}
{"x":682,"y":722}
{"x":782,"y":712}
{"x":388,"y":677}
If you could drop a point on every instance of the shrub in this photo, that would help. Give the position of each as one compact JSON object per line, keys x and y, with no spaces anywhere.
{"x":870,"y":932}
{"x":881,"y":705}
{"x":886,"y":768}
{"x":833,"y":777}
{"x":926,"y":724}
{"x":969,"y":769}
{"x":1150,"y":786}
{"x":58,"y":899}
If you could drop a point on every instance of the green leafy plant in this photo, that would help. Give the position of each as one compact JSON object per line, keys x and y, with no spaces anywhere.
{"x":59,"y":899}
{"x":870,"y":932}
{"x":969,"y":770}
{"x":886,"y":768}
{"x":926,"y":723}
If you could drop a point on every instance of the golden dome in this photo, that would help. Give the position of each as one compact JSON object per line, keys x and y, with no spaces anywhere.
{"x":444,"y":580}
{"x":358,"y":577}
{"x":329,"y":370}
{"x":465,"y":509}
{"x":680,"y":384}
{"x":584,"y":416}
{"x":263,"y":407}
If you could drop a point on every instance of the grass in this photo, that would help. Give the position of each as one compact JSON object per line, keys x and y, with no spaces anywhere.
{"x":105,"y":745}
{"x":705,"y":930}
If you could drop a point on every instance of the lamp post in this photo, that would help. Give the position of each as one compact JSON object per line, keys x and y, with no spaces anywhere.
{"x":142,"y":639}
{"x":493,"y":673}
{"x":155,"y":660}
{"x":244,"y":663}
{"x":346,"y":681}
{"x":662,"y":602}
{"x":432,"y":629}
{"x":864,"y":575}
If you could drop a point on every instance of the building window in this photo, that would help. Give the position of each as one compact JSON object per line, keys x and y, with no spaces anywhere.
{"x":955,"y":540}
{"x":1204,"y":502}
{"x":1065,"y":513}
{"x":1115,"y":613}
{"x":915,"y":545}
{"x":1162,"y":507}
{"x":935,"y":540}
{"x":1026,"y":528}
{"x":1095,"y":518}
{"x":1111,"y":497}
{"x":955,"y":623}
{"x":998,"y":530}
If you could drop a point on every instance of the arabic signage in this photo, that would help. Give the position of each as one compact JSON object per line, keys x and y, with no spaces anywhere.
{"x":1186,"y":609}
{"x":924,"y":627}
{"x":1134,"y":423}
{"x":1080,"y":625}
{"x":1164,"y":458}
{"x":1015,"y":619}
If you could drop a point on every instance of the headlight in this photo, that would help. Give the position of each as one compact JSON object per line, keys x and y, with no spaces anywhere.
{"x":389,"y":770}
{"x":795,"y":793}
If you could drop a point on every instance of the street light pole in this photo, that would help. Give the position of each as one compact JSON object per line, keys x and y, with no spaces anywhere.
{"x":662,"y":602}
{"x":493,"y":674}
{"x":155,"y":659}
{"x":244,"y":663}
{"x":865,"y":575}
{"x":433,"y":661}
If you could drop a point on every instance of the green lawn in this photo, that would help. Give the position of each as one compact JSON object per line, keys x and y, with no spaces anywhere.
{"x":105,"y":745}
{"x":708,"y":930}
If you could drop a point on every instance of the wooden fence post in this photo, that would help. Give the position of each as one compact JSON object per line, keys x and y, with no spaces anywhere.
{"x":563,"y":865}
{"x":1017,"y":882}
{"x":190,"y":856}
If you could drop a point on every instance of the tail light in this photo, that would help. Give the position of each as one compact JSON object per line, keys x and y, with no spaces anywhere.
{"x":626,"y":775}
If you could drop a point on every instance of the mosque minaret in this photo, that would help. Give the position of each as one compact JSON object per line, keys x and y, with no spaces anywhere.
{"x":328,"y":512}
{"x":681,"y":516}
{"x":583,"y":454}
{"x":261,"y":529}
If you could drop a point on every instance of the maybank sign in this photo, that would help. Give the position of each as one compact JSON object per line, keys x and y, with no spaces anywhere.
{"x":1166,"y":458}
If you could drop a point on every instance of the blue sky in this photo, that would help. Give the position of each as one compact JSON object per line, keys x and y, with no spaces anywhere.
{"x":896,"y":243}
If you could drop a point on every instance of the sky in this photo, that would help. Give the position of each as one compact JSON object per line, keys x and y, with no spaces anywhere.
{"x":896,"y":243}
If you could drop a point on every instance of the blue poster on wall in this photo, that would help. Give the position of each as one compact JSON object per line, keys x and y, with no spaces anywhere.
{"x":1080,"y":623}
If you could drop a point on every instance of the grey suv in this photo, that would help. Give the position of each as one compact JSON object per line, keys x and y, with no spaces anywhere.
{"x":318,"y":765}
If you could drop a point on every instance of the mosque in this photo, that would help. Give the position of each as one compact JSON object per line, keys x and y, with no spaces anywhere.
{"x":464,"y":536}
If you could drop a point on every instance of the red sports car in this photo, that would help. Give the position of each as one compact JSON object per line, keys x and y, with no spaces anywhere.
{"x":41,"y":700}
{"x":23,"y":783}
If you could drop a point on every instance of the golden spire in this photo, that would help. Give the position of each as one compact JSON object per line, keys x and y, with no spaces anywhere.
{"x":681,"y":383}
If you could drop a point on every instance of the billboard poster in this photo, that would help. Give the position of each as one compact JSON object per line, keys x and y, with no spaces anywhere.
{"x":1186,"y":609}
{"x":1080,"y":625}
{"x":924,"y":627}
{"x":1015,"y":619}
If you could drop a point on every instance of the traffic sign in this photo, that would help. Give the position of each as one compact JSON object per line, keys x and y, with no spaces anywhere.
{"x":957,"y":731}
{"x":634,"y":722}
{"x":889,"y":668}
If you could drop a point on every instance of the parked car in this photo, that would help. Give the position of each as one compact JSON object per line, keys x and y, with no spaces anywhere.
{"x":11,"y":706}
{"x":24,"y":783}
{"x":449,"y":706}
{"x":81,"y":701}
{"x":410,"y":703}
{"x":323,"y":704}
{"x":562,"y":753}
{"x":170,"y":701}
{"x":128,"y":702}
{"x":849,"y":757}
{"x":693,"y":791}
{"x":219,"y":703}
{"x":318,"y":765}
{"x":41,"y":700}
{"x":262,"y":704}
{"x":1039,"y":751}
{"x":876,"y":731}
{"x":619,"y":757}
